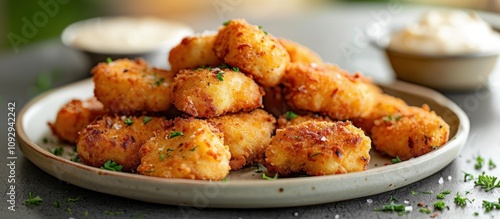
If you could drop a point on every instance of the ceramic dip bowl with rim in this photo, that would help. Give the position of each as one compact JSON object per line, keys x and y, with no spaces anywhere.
{"x":125,"y":37}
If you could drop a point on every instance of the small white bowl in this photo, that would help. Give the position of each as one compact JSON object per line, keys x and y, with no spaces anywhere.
{"x":125,"y":37}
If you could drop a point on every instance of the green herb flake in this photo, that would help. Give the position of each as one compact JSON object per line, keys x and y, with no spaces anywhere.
{"x":476,"y":213}
{"x":264,"y":176}
{"x":45,"y":140}
{"x":176,"y":134}
{"x":162,"y":157}
{"x":226,"y":22}
{"x":73,"y":199}
{"x":236,"y":69}
{"x":109,"y":60}
{"x":414,"y":192}
{"x":479,"y":163}
{"x":399,"y":117}
{"x":224,"y":180}
{"x":128,"y":121}
{"x":468,"y":176}
{"x":146,"y":119}
{"x":425,"y":210}
{"x":111,"y":165}
{"x":396,"y":160}
{"x":393,"y":207}
{"x":439,"y":205}
{"x":58,"y":151}
{"x":56,"y":204}
{"x":491,"y":164}
{"x":33,"y":201}
{"x":193,"y":149}
{"x":428,"y":192}
{"x":86,"y":213}
{"x":489,"y":206}
{"x":113,"y":212}
{"x":460,"y":200}
{"x":158,"y":81}
{"x":443,"y":194}
{"x":260,"y":28}
{"x":290,"y":115}
{"x":487,"y":182}
{"x":69,"y":211}
{"x":220,"y":75}
{"x":387,"y":118}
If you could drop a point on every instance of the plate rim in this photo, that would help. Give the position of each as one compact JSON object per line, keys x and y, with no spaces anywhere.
{"x":455,"y":145}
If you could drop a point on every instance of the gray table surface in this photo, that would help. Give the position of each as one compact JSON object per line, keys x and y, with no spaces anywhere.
{"x":324,"y":30}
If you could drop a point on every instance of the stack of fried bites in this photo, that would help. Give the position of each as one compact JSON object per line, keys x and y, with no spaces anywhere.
{"x":214,"y":112}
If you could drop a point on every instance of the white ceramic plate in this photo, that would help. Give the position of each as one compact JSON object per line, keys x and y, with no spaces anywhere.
{"x":244,"y":188}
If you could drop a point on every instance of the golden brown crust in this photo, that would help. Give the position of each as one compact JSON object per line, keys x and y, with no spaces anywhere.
{"x":318,"y":148}
{"x":414,"y":132}
{"x":254,"y":52}
{"x":111,"y":138}
{"x":199,"y":153}
{"x":299,"y":53}
{"x":194,"y":52}
{"x":385,"y":105}
{"x":74,"y":116}
{"x":131,"y":86}
{"x":285,"y":121}
{"x":206,"y":93}
{"x":246,"y":134}
{"x":327,"y":90}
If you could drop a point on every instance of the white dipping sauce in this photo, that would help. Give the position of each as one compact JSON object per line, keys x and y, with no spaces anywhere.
{"x":125,"y":35}
{"x":446,"y":32}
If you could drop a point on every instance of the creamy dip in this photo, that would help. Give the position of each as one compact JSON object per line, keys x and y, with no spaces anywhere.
{"x":446,"y":32}
{"x":125,"y":35}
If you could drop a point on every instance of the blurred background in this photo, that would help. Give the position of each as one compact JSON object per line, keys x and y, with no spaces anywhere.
{"x":14,"y":13}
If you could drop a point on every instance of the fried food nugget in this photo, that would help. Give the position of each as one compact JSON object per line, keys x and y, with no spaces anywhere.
{"x":131,"y":86}
{"x":318,"y":148}
{"x":118,"y":138}
{"x":246,"y":134}
{"x":253,"y":51}
{"x":194,"y":52}
{"x":74,"y":116}
{"x":414,"y":132}
{"x":290,"y":118}
{"x":385,"y":105}
{"x":206,"y":93}
{"x":327,"y":90}
{"x":190,"y":149}
{"x":299,"y":53}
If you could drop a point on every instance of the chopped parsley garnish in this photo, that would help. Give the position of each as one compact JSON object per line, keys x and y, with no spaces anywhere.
{"x":443,"y":194}
{"x":224,"y":180}
{"x":396,"y":160}
{"x":76,"y":159}
{"x":460,"y":200}
{"x":468,"y":176}
{"x":33,"y":201}
{"x":393,"y":207}
{"x":476,"y":213}
{"x":226,"y":22}
{"x":479,"y":162}
{"x":236,"y":69}
{"x":69,"y":211}
{"x":220,"y":75}
{"x":428,"y":192}
{"x":86,"y":213}
{"x":264,"y":176}
{"x":399,"y":117}
{"x":113,"y":212}
{"x":176,"y":134}
{"x":58,"y":151}
{"x":387,"y":118}
{"x":489,"y":206}
{"x":414,"y":192}
{"x":224,"y":65}
{"x":290,"y":115}
{"x":491,"y":164}
{"x":487,"y":182}
{"x":109,"y":60}
{"x":45,"y":140}
{"x":425,"y":210}
{"x":146,"y":119}
{"x":194,"y":149}
{"x":162,"y":156}
{"x":260,"y":28}
{"x":56,"y":204}
{"x":111,"y":165}
{"x":73,"y":199}
{"x":128,"y":121}
{"x":439,"y":205}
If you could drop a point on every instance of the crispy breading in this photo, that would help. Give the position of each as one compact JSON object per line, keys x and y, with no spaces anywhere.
{"x":299,"y":53}
{"x":190,"y":149}
{"x":246,"y":134}
{"x":385,"y":105}
{"x":194,"y":52}
{"x":286,"y":120}
{"x":318,"y":148}
{"x":411,"y":133}
{"x":253,"y":51}
{"x":131,"y":86}
{"x":74,"y":116}
{"x":327,"y":90}
{"x":212,"y":92}
{"x":117,"y":138}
